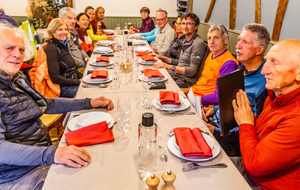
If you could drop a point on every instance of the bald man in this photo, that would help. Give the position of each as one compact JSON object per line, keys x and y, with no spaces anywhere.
{"x":270,"y":144}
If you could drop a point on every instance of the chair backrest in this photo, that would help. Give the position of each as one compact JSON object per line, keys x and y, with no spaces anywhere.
{"x":201,"y":66}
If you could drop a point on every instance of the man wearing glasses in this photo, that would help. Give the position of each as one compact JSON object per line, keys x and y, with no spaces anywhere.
{"x":165,"y":34}
{"x":192,"y":52}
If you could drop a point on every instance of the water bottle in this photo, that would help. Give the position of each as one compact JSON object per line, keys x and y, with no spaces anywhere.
{"x":147,"y":146}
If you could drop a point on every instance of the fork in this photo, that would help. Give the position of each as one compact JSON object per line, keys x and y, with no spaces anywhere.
{"x":194,"y":166}
{"x":179,"y":113}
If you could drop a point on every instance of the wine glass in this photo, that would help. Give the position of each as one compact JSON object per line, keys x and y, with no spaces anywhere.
{"x":146,"y":85}
{"x":117,"y":72}
{"x":124,"y":111}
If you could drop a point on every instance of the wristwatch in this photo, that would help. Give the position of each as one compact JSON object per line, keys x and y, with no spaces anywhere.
{"x":173,"y":68}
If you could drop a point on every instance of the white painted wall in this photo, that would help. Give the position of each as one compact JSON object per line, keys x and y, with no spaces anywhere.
{"x":14,"y":7}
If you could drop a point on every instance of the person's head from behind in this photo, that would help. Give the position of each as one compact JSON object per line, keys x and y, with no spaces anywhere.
{"x":217,"y":38}
{"x":14,"y":48}
{"x":89,"y":10}
{"x":83,"y":21}
{"x":99,"y":13}
{"x":178,"y":25}
{"x":161,"y":18}
{"x":190,"y":23}
{"x":59,"y":29}
{"x":145,"y":12}
{"x":68,"y":14}
{"x":252,"y":42}
{"x":282,"y":68}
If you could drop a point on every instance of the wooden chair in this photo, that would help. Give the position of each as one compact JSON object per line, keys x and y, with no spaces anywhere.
{"x":54,"y":121}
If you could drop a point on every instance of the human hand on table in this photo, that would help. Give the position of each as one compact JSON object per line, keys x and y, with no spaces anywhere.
{"x":72,"y":156}
{"x":102,"y":102}
{"x":207,"y":112}
{"x":86,"y":59}
{"x":161,"y":64}
{"x":110,"y":38}
{"x":242,"y":109}
{"x":211,"y":128}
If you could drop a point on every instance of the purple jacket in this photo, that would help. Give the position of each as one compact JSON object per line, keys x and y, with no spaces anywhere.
{"x":147,"y":25}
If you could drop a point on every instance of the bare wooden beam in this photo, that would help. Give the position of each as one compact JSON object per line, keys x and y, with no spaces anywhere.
{"x":258,"y":11}
{"x":208,"y":14}
{"x":282,"y":4}
{"x":191,"y":6}
{"x":232,"y":14}
{"x":70,"y":3}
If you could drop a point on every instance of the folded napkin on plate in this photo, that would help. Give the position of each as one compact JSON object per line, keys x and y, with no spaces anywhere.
{"x":93,"y":134}
{"x":152,"y":73}
{"x":102,"y":59}
{"x":139,"y":53}
{"x":99,"y":74}
{"x":169,"y":97}
{"x":192,"y":143}
{"x":148,"y":58}
{"x":108,"y":34}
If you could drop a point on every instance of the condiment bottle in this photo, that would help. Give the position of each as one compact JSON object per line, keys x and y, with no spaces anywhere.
{"x":147,"y":146}
{"x":152,"y":181}
{"x":169,"y":178}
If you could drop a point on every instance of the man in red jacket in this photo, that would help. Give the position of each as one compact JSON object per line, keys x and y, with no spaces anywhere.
{"x":270,"y":144}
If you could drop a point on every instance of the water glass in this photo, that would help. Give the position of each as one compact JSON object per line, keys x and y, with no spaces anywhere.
{"x":124,"y":111}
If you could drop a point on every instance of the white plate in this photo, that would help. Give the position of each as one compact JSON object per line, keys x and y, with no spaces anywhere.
{"x":185,"y":104}
{"x":72,"y":124}
{"x":138,"y":42}
{"x":88,"y":79}
{"x":90,"y":118}
{"x":158,"y":79}
{"x":132,"y":36}
{"x":100,"y":64}
{"x":174,"y":149}
{"x":142,"y":49}
{"x":142,"y":62}
{"x":108,"y":31}
{"x":104,"y":43}
{"x":100,"y":49}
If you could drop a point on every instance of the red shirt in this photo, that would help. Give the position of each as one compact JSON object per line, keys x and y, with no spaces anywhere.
{"x":271,"y":148}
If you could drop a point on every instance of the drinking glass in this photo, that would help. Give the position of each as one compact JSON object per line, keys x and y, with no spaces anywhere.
{"x":117,"y":72}
{"x":146,"y":85}
{"x":124,"y":111}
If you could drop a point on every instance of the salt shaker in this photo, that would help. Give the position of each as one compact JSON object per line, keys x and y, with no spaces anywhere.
{"x":152,"y":181}
{"x":169,"y":178}
{"x":147,"y":146}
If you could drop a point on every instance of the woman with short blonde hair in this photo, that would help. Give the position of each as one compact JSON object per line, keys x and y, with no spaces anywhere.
{"x":53,"y":26}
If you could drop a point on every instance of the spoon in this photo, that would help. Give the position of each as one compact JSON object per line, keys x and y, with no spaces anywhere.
{"x":103,"y":85}
{"x":163,"y":156}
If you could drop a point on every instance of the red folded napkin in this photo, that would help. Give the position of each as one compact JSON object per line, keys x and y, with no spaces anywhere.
{"x":102,"y":59}
{"x":152,"y":73}
{"x":93,"y":134}
{"x":112,"y":48}
{"x":148,"y":58}
{"x":100,"y":74}
{"x":138,"y":53}
{"x":109,"y":34}
{"x":169,"y":97}
{"x":192,"y":143}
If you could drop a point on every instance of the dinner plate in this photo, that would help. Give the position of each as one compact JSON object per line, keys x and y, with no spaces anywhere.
{"x":108,"y":31}
{"x":142,"y":49}
{"x":185,"y":104}
{"x":104,"y":43}
{"x":143,"y":62}
{"x":100,"y":64}
{"x":158,"y":79}
{"x":174,"y":149}
{"x":73,"y":126}
{"x":132,"y":36}
{"x":100,"y":49}
{"x":88,"y":79}
{"x":138,"y":42}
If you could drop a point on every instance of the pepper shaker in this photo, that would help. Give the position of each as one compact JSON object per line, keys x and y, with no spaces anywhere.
{"x":152,"y":181}
{"x":169,"y":178}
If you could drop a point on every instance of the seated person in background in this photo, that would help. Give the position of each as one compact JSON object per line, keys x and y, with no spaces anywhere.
{"x":26,"y":151}
{"x":172,"y":54}
{"x":4,"y":16}
{"x":165,"y":34}
{"x":79,"y":55}
{"x":149,"y":36}
{"x":61,"y":65}
{"x":99,"y":15}
{"x":92,"y":29}
{"x":82,"y":25}
{"x":218,"y":63}
{"x":270,"y":144}
{"x":193,"y":50}
{"x":147,"y":24}
{"x":253,"y":41}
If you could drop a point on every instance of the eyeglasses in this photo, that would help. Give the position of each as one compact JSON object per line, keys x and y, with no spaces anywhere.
{"x":159,"y":20}
{"x":187,"y":23}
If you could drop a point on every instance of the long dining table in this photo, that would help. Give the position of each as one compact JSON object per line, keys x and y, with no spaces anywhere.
{"x":114,"y":165}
